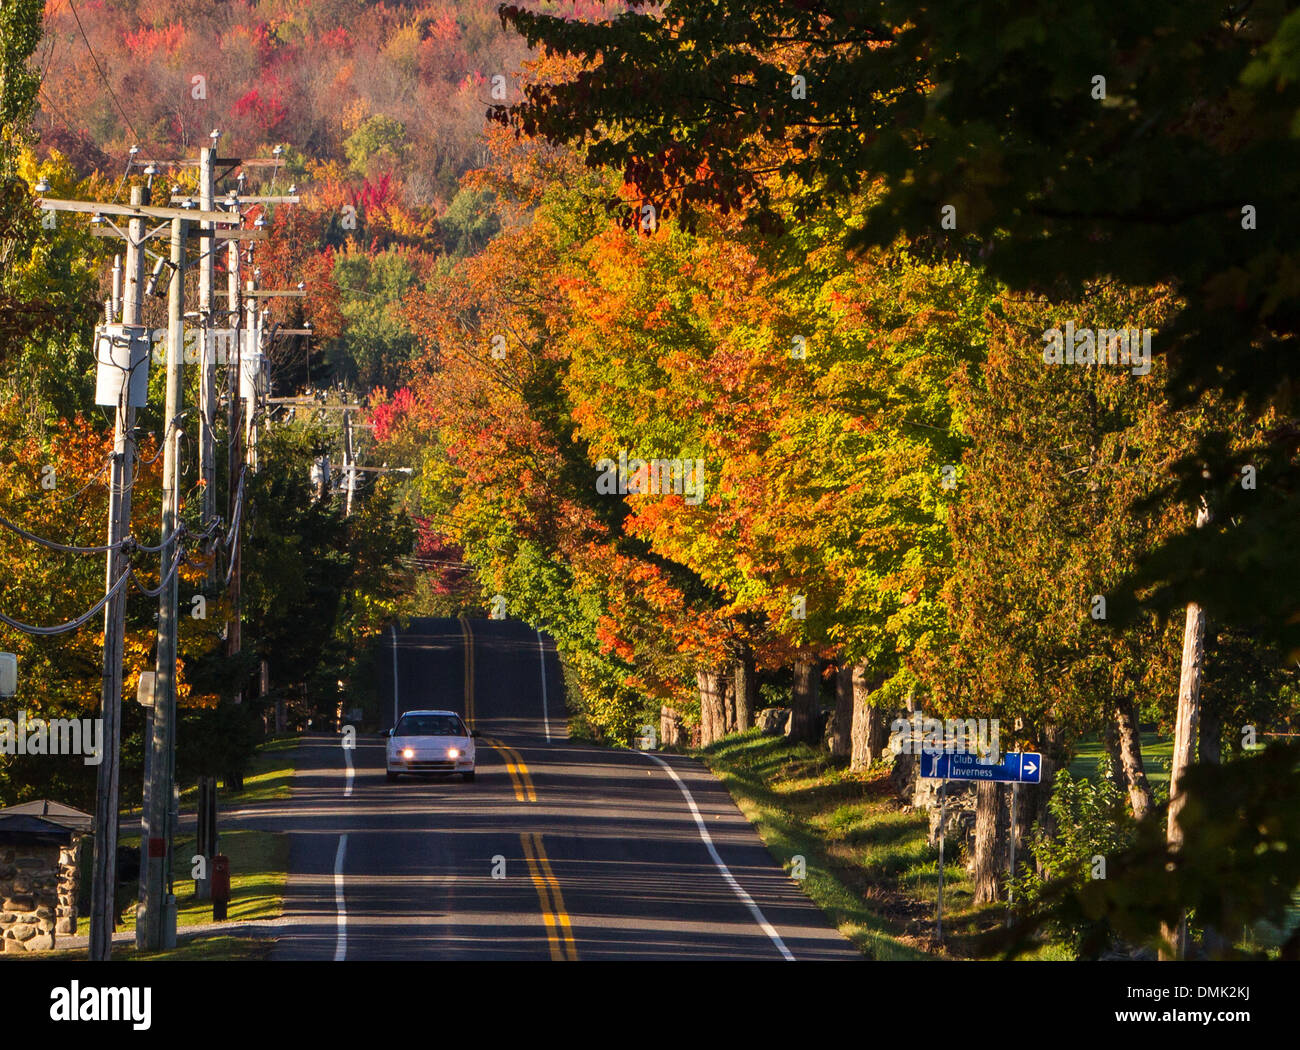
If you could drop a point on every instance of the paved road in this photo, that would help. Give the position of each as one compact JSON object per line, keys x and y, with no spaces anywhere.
{"x":559,"y":850}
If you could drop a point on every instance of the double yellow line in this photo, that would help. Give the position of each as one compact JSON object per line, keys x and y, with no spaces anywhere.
{"x":522,"y":780}
{"x":559,"y":930}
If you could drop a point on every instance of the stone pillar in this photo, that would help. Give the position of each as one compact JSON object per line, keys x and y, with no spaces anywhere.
{"x":69,"y":887}
{"x":29,"y":898}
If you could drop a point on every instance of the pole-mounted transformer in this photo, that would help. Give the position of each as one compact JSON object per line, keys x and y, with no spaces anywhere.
{"x":122,"y":354}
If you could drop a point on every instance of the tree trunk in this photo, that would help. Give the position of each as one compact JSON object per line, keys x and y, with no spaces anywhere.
{"x":1129,"y":740}
{"x":989,"y":840}
{"x":671,"y":731}
{"x":870,"y":726}
{"x":805,"y":707}
{"x":704,"y":687}
{"x":746,"y":691}
{"x":1110,"y":739}
{"x":841,"y":734}
{"x":728,"y":683}
{"x":712,"y":715}
{"x":1189,"y":709}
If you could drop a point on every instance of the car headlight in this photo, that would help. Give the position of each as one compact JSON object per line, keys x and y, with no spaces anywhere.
{"x":453,"y":752}
{"x":408,"y":753}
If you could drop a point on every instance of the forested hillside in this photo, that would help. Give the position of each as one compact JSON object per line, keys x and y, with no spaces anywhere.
{"x":396,"y":89}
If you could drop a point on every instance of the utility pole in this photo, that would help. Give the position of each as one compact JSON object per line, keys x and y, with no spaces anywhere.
{"x":208,"y":364}
{"x":235,"y":451}
{"x":350,"y":460}
{"x":157,"y":925}
{"x":251,"y":380}
{"x":103,"y":910}
{"x":206,"y":845}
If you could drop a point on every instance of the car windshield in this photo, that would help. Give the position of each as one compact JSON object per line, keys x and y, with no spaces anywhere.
{"x":430,"y":725}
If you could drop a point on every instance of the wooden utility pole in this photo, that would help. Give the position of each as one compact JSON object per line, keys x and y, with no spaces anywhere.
{"x":206,"y":845}
{"x":235,"y":452}
{"x":157,"y":923}
{"x":103,"y":910}
{"x":207,"y":359}
{"x":1189,"y":712}
{"x":251,"y":380}
{"x":351,"y":460}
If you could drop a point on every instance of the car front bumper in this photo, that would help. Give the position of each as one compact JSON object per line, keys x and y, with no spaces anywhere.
{"x":429,"y":764}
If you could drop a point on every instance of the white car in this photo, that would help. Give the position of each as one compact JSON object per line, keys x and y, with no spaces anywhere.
{"x":430,"y":742}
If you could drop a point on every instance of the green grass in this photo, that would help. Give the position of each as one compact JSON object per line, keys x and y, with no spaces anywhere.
{"x":267,"y":779}
{"x":1157,"y":755}
{"x":868,"y":865}
{"x":259,"y":862}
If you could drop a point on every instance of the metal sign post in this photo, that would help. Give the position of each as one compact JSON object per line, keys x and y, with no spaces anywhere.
{"x":943,"y":814}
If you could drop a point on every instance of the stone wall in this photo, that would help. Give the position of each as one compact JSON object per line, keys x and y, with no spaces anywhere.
{"x":38,"y":891}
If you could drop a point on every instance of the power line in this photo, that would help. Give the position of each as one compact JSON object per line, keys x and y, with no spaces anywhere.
{"x":55,"y":545}
{"x":71,"y":625}
{"x":130,"y":575}
{"x":150,"y":592}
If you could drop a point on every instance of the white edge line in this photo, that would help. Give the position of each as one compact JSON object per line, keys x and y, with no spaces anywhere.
{"x":546,"y":718}
{"x":341,"y":942}
{"x":745,"y":898}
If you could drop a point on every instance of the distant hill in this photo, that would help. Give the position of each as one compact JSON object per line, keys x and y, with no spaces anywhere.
{"x":396,"y":87}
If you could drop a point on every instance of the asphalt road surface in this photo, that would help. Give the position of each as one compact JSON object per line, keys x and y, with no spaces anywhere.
{"x":559,"y":850}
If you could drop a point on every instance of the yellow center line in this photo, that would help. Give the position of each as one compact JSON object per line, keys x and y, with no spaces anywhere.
{"x":525,"y":791}
{"x":559,"y":929}
{"x":561,"y":913}
{"x":524,"y":774}
{"x":510,"y":767}
{"x":540,"y":884}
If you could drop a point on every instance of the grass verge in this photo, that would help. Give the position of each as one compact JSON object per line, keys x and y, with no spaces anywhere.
{"x":868,"y":863}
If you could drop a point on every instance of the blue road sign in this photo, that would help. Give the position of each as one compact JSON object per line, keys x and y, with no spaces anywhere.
{"x":1016,"y":767}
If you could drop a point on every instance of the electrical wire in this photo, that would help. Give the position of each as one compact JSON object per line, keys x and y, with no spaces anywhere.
{"x":95,"y":480}
{"x":71,"y":625}
{"x":54,"y":545}
{"x":150,"y":592}
{"x":176,"y":533}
